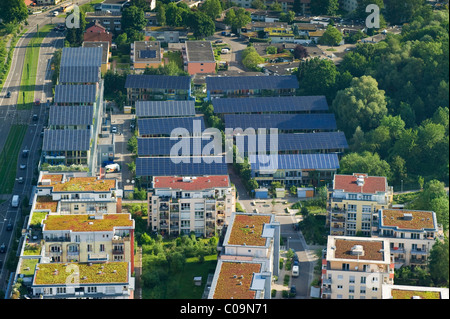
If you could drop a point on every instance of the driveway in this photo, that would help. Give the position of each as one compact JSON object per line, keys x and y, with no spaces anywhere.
{"x":237,"y":46}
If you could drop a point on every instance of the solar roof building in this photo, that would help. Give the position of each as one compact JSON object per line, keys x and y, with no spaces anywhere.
{"x":285,"y":123}
{"x":164,"y":146}
{"x":267,"y":105}
{"x":71,"y":117}
{"x":246,"y":86}
{"x":75,"y":94}
{"x":164,"y":127}
{"x":66,"y":147}
{"x":293,"y":169}
{"x":146,"y":54}
{"x":141,"y":87}
{"x":165,"y":108}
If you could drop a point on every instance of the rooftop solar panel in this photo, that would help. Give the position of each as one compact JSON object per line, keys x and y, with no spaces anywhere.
{"x":164,"y":146}
{"x":283,"y":122}
{"x":294,"y":162}
{"x":165,"y":126}
{"x":66,"y":140}
{"x":143,"y":81}
{"x":219,"y":83}
{"x":65,"y":93}
{"x":299,"y":142}
{"x":165,"y":108}
{"x":147,"y":54}
{"x":71,"y":115}
{"x":79,"y":74}
{"x":164,"y":166}
{"x":270,"y":104}
{"x":81,"y":56}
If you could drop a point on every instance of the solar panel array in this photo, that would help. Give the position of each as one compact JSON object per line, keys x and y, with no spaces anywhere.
{"x":219,"y":83}
{"x":165,"y":166}
{"x":71,"y":115}
{"x":147,"y":54}
{"x":299,"y":142}
{"x":294,"y":162}
{"x":79,"y":74}
{"x":81,"y":56}
{"x":165,"y":108}
{"x":75,"y":93}
{"x":143,"y":81}
{"x":163,"y":146}
{"x":66,"y":140}
{"x":284,"y":122}
{"x":270,"y":104}
{"x":165,"y":126}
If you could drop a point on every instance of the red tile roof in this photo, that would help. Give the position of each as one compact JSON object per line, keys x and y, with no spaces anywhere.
{"x":196,"y":183}
{"x":98,"y":37}
{"x":372,"y":184}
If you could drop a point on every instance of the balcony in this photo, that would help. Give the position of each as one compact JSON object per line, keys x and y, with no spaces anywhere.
{"x":419,"y":251}
{"x":57,"y":239}
{"x":118,"y":251}
{"x":163,"y":216}
{"x":174,"y":216}
{"x":164,"y":207}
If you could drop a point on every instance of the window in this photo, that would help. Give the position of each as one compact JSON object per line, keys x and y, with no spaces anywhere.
{"x":102,"y":247}
{"x":352,"y":196}
{"x":367,"y":197}
{"x":374,"y":288}
{"x":76,"y":207}
{"x":89,"y":248}
{"x":345,"y":266}
{"x":351,"y":289}
{"x":339,"y":287}
{"x":352,"y":208}
{"x":362,"y":290}
{"x":340,"y":277}
{"x":351,"y":216}
{"x":351,"y":279}
{"x":363,"y":280}
{"x":61,"y":290}
{"x":102,"y":196}
{"x":91,"y":289}
{"x":415,"y":236}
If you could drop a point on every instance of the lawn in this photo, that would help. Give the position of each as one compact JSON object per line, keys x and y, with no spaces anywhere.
{"x":193,"y":268}
{"x":26,"y":94}
{"x":8,"y":158}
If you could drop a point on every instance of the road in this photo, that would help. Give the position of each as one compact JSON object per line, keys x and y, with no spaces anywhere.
{"x":237,"y":46}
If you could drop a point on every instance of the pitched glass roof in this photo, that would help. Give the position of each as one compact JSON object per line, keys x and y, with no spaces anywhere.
{"x":81,"y":56}
{"x":79,"y":74}
{"x":165,"y":108}
{"x":294,"y":162}
{"x":218,"y":83}
{"x":162,"y":146}
{"x":165,"y":166}
{"x":143,"y":81}
{"x":66,"y":140}
{"x":71,"y":115}
{"x":75,"y":93}
{"x":165,"y":126}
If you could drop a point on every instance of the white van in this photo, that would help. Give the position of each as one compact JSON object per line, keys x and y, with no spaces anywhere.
{"x":15,"y":201}
{"x":224,"y":51}
{"x":295,"y":271}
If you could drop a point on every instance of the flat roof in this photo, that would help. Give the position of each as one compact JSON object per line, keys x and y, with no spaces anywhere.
{"x":414,"y":220}
{"x":147,"y":51}
{"x":194,"y":183}
{"x":80,"y":184}
{"x":372,"y":184}
{"x":373,"y":249}
{"x":94,"y":273}
{"x":235,"y":279}
{"x":83,"y":222}
{"x":247,"y":229}
{"x":199,"y":51}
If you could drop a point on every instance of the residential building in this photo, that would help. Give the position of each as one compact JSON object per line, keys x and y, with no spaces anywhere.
{"x":356,"y":268}
{"x":110,"y":21}
{"x":75,"y":95}
{"x":71,"y":117}
{"x":142,"y":87}
{"x":265,"y":16}
{"x":66,"y":147}
{"x":161,"y":109}
{"x":411,"y":234}
{"x":198,"y":57}
{"x":413,"y":292}
{"x":96,"y":31}
{"x":47,"y":2}
{"x":249,"y":258}
{"x":108,"y":280}
{"x":112,"y":5}
{"x":200,"y":204}
{"x":246,"y":86}
{"x":353,"y":200}
{"x":146,"y":54}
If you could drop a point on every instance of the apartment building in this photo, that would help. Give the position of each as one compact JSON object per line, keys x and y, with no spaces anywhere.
{"x":112,"y":280}
{"x":353,"y":200}
{"x":356,"y":268}
{"x":200,"y":204}
{"x":411,"y":234}
{"x":146,"y":54}
{"x":198,"y":57}
{"x":249,"y":258}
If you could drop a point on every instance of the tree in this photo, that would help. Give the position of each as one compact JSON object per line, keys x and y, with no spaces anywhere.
{"x":366,"y":162}
{"x":300,"y":52}
{"x":13,"y":11}
{"x":438,"y":263}
{"x":161,"y":13}
{"x":276,"y":6}
{"x":258,"y":4}
{"x":287,"y":17}
{"x":325,"y":7}
{"x":142,"y":4}
{"x":318,"y":77}
{"x":362,"y":104}
{"x":202,"y":24}
{"x":399,"y":12}
{"x":74,"y":36}
{"x":212,"y":8}
{"x":251,"y":58}
{"x":332,"y":36}
{"x":174,"y":15}
{"x":133,"y":21}
{"x":237,"y":19}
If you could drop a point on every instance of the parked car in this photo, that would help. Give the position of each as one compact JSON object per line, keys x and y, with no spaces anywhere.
{"x":219,"y":41}
{"x":295,"y":271}
{"x":114,"y":129}
{"x":293,"y":291}
{"x":37,"y":102}
{"x":3,"y":248}
{"x":8,"y":94}
{"x":35,"y":117}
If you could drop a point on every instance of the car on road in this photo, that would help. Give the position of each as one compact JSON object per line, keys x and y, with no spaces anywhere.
{"x":295,"y":271}
{"x":25,"y":153}
{"x":114,"y":129}
{"x":9,"y":227}
{"x":20,"y":180}
{"x":23,"y":166}
{"x":293,"y":291}
{"x":55,"y":13}
{"x":295,"y":257}
{"x":37,"y":102}
{"x":35,"y":117}
{"x":8,"y":94}
{"x":3,"y":248}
